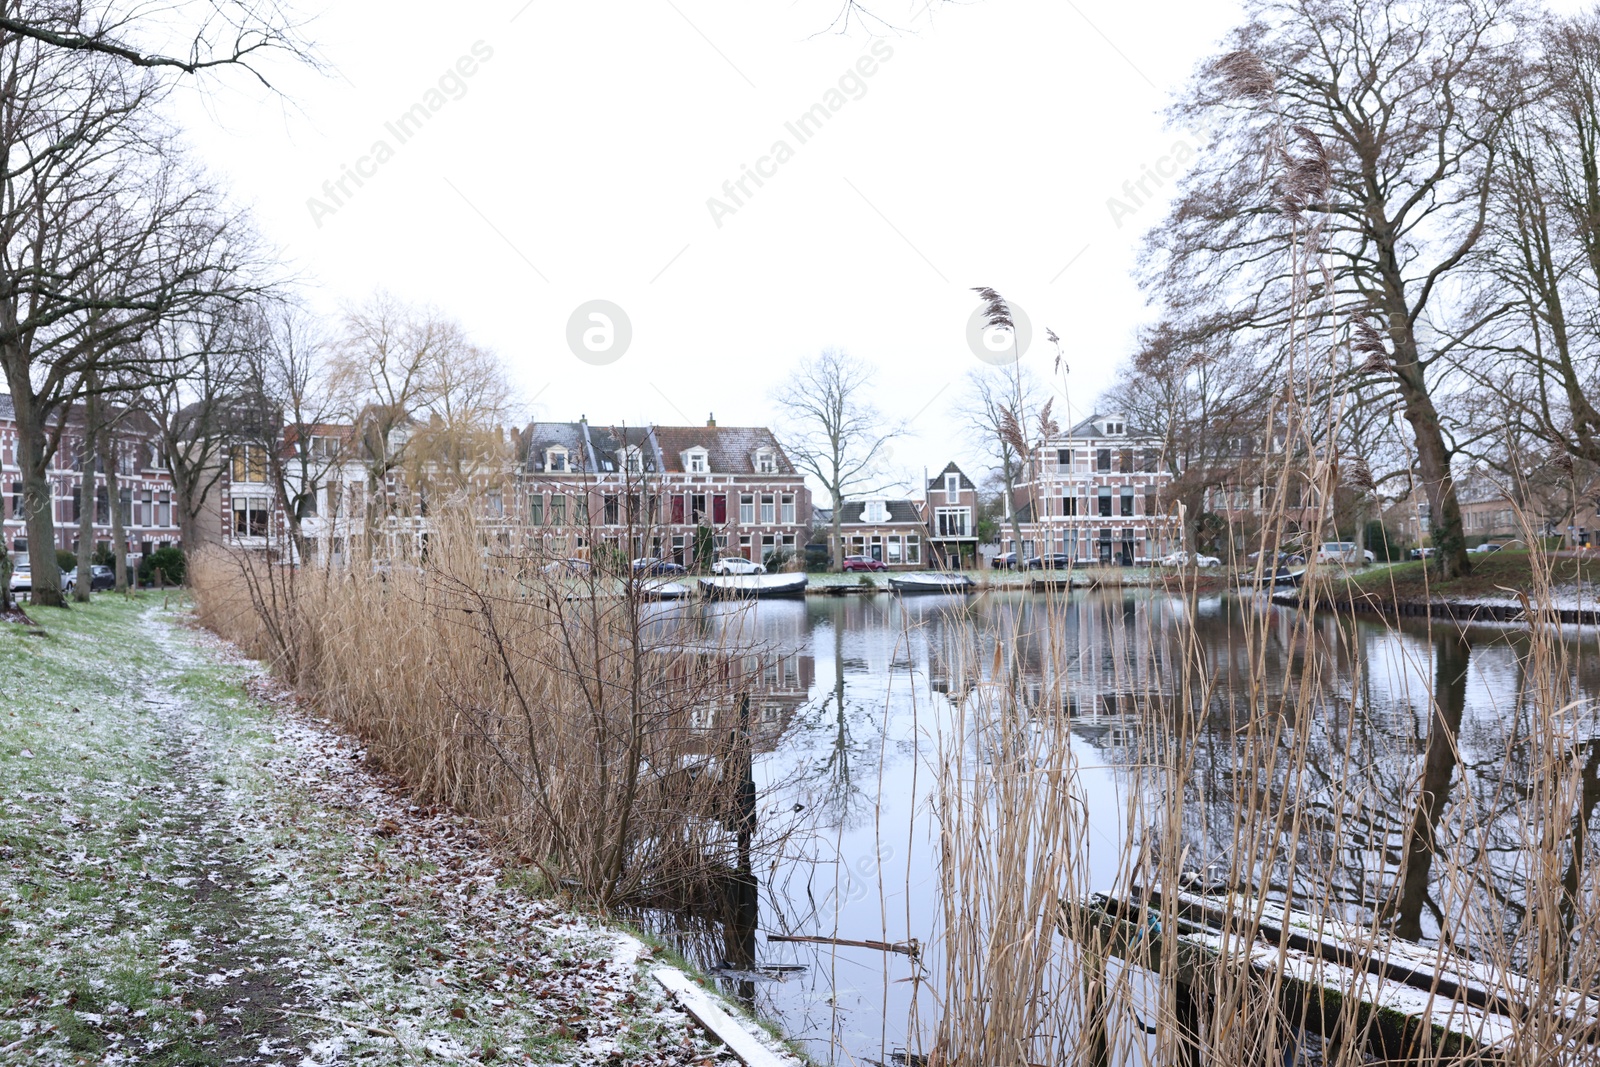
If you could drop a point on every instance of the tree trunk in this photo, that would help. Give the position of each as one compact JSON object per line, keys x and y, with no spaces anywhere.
{"x":86,"y":459}
{"x":38,"y":503}
{"x":119,"y":536}
{"x":838,"y":534}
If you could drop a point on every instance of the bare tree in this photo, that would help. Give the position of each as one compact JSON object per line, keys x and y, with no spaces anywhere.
{"x":1348,"y":179}
{"x":426,"y":403}
{"x":102,"y":234}
{"x":995,"y":402}
{"x":186,"y":37}
{"x":832,"y":432}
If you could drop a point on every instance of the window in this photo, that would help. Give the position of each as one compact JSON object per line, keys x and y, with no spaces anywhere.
{"x":1064,"y":458}
{"x":1148,"y":460}
{"x":164,"y":508}
{"x":698,"y":463}
{"x":1069,"y":505}
{"x":768,"y":512}
{"x":1114,"y":428}
{"x":1105,"y":500}
{"x":766,"y":462}
{"x":16,"y":500}
{"x":610,"y":509}
{"x":555,"y":459}
{"x":102,"y":506}
{"x":787,"y":502}
{"x":952,"y":522}
{"x":1149,"y":501}
{"x":634,"y":459}
{"x":1127,"y":501}
{"x":913,"y":549}
{"x":747,"y":509}
{"x":325,"y":447}
{"x":875,"y":511}
{"x":892,"y":551}
{"x":249,"y":463}
{"x":249,"y":516}
{"x":125,"y":505}
{"x":558,"y":509}
{"x":768,"y":543}
{"x":952,"y":488}
{"x":536,"y":509}
{"x":496,"y":505}
{"x":1102,"y":459}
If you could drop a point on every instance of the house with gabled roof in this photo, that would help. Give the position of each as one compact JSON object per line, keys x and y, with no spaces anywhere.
{"x":892,"y":532}
{"x":950,"y":512}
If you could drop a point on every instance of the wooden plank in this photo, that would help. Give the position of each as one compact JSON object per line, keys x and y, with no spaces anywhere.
{"x":705,"y":1010}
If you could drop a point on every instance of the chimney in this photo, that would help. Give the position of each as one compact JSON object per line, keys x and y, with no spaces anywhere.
{"x":711,"y":420}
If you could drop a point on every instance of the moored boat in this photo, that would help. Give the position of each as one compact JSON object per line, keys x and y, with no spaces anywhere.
{"x":931,"y":582}
{"x":758,"y":586}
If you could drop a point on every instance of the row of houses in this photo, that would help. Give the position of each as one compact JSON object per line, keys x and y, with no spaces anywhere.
{"x":145,"y":492}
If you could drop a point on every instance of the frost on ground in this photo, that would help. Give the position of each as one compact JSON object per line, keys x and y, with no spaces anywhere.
{"x":194,"y":871}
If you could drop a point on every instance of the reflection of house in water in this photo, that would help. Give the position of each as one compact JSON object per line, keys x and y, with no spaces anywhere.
{"x":711,"y":681}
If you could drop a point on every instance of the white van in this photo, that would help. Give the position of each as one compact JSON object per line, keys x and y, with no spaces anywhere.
{"x":1344,"y":552}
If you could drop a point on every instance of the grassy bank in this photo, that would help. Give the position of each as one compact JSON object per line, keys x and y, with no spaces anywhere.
{"x":192,"y":871}
{"x":1496,"y":577}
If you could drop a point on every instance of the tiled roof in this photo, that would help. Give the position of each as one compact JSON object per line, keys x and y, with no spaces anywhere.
{"x":1087,"y":428}
{"x":937,"y":481}
{"x":900,"y":511}
{"x":729,"y":449}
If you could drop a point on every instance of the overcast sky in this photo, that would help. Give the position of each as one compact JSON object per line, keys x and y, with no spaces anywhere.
{"x":571,"y":151}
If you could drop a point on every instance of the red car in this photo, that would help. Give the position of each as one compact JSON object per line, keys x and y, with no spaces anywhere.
{"x":862,"y":563}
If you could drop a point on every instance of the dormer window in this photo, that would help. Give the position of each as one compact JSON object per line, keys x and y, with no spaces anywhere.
{"x":1114,"y":427}
{"x":634,"y":461}
{"x":696,"y":461}
{"x":555,"y":459}
{"x":952,"y":487}
{"x":766,"y":462}
{"x":875,"y":511}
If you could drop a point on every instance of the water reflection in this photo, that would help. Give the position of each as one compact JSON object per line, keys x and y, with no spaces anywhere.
{"x":1381,"y":771}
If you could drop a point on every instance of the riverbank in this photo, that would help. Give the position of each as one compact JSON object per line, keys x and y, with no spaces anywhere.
{"x":195,"y":870}
{"x":1501,"y":587}
{"x":990,"y":580}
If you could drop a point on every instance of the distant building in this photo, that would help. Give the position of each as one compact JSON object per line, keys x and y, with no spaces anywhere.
{"x":950,"y":513}
{"x":889,"y":531}
{"x":144,"y":485}
{"x":663,"y":486}
{"x":1096,"y":494}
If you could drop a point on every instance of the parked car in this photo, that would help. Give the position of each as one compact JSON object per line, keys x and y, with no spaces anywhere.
{"x":862,"y":563}
{"x":1005,"y":561}
{"x":1056,"y":561}
{"x":1344,"y":552}
{"x":1421,"y":553}
{"x":21,"y":574}
{"x":651,"y":566}
{"x":100,"y":578}
{"x":565,"y":566}
{"x":1371,"y":559}
{"x":736,"y":565}
{"x":1487,"y":546}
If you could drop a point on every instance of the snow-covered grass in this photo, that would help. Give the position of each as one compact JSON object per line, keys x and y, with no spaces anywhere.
{"x":193,"y":870}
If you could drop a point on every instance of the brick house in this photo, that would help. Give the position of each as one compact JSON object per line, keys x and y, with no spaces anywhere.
{"x":663,"y":487}
{"x":892,"y":532}
{"x":144,"y":485}
{"x":950,"y":513}
{"x":1096,"y":494}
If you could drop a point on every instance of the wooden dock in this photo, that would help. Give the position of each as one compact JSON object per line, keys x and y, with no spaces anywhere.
{"x":1411,"y":1002}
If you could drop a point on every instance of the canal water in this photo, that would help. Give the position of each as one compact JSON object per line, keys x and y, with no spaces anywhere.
{"x":857,"y":693}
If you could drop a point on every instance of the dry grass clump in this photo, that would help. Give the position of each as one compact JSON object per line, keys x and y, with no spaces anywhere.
{"x":564,"y":709}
